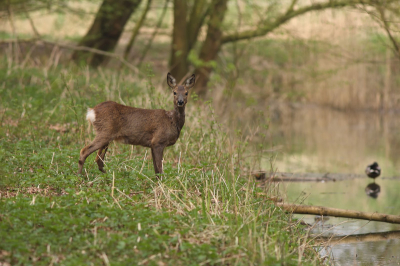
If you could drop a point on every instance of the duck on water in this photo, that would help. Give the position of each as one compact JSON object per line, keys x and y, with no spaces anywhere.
{"x":373,"y":170}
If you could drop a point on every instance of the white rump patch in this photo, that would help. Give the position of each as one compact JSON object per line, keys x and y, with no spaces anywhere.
{"x":90,"y":115}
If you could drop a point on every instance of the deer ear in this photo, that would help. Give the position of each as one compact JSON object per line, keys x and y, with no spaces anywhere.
{"x":190,"y":81}
{"x":171,"y":80}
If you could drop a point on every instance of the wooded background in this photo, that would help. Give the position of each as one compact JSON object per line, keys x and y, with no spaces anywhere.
{"x":201,"y":33}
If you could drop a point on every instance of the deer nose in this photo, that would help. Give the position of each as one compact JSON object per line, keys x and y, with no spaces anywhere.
{"x":180,"y":102}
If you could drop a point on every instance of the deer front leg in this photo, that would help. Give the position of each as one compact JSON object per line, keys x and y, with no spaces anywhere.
{"x":157,"y":154}
{"x":154,"y":161}
{"x":101,"y":154}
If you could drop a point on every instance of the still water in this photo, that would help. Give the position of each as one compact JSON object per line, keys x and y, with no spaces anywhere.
{"x":320,"y":140}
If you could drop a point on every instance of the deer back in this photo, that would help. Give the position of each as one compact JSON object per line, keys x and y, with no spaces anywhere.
{"x":132,"y":125}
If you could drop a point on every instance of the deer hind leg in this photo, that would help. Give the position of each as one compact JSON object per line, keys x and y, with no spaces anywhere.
{"x":157,"y":154}
{"x":89,"y":149}
{"x":100,"y":157}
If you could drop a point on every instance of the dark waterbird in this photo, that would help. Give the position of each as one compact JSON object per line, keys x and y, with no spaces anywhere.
{"x":373,"y":170}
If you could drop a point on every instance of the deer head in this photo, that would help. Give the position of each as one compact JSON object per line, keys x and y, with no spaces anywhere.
{"x":180,"y":91}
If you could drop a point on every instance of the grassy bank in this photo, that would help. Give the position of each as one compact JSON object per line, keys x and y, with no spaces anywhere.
{"x":206,"y":210}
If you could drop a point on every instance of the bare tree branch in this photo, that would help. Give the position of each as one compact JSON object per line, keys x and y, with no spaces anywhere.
{"x":35,"y":31}
{"x":386,"y":27}
{"x":378,"y":13}
{"x":77,"y":48}
{"x":135,"y":31}
{"x":289,"y":14}
{"x":95,"y":51}
{"x":291,"y":7}
{"x":196,"y":19}
{"x":146,"y":49}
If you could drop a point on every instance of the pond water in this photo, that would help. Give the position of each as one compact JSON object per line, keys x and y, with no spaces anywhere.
{"x":321,"y":140}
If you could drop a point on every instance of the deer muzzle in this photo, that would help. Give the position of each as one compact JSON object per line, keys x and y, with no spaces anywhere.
{"x":181,"y":102}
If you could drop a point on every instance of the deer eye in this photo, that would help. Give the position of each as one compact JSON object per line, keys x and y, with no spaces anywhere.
{"x":174,"y":93}
{"x":186,"y":93}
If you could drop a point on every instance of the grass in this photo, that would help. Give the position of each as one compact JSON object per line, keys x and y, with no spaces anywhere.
{"x":206,"y":210}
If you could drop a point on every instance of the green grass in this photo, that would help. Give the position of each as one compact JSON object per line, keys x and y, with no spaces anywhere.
{"x":205,"y":210}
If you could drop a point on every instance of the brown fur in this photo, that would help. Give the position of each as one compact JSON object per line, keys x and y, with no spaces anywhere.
{"x":155,"y":129}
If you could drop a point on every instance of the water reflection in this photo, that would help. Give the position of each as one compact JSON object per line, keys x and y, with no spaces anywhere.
{"x":328,"y":141}
{"x":372,"y":190}
{"x":321,"y":219}
{"x":350,"y":194}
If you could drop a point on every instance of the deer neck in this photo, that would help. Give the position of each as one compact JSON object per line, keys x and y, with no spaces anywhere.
{"x":178,"y":116}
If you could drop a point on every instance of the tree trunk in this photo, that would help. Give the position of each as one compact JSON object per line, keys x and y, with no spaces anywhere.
{"x":319,"y":210}
{"x":211,"y":44}
{"x":106,"y":30}
{"x":179,"y":48}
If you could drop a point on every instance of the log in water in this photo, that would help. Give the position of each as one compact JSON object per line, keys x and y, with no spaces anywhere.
{"x":320,"y":210}
{"x":370,"y":237}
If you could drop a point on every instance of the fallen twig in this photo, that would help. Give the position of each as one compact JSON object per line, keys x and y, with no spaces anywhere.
{"x":79,"y":48}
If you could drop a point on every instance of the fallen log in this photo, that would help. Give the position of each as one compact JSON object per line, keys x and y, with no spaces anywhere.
{"x":301,"y":177}
{"x":320,"y":210}
{"x":349,"y":239}
{"x":266,"y":176}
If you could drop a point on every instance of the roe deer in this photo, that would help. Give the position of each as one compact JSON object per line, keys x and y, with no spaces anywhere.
{"x":155,"y":129}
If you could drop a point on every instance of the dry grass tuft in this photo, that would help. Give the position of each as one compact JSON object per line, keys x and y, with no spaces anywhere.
{"x":11,"y":192}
